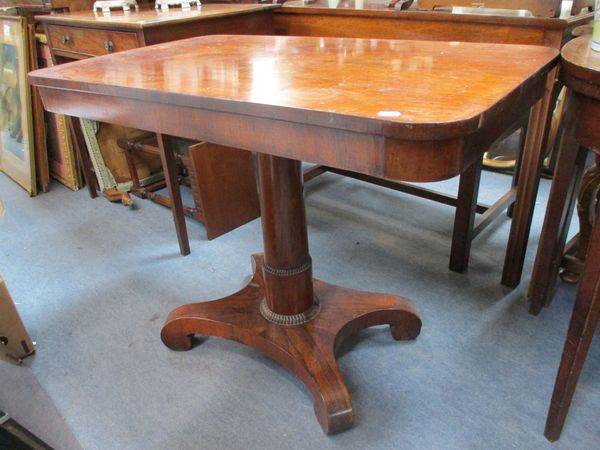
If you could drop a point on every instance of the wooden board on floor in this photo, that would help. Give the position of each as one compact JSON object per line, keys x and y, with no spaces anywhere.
{"x":14,"y":339}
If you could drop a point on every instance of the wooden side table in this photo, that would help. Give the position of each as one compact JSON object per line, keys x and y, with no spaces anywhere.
{"x":86,"y":34}
{"x":369,"y":123}
{"x":581,"y":74}
{"x":375,"y":19}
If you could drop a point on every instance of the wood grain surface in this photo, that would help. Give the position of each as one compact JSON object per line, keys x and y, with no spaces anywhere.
{"x":319,"y":80}
{"x":581,"y":66}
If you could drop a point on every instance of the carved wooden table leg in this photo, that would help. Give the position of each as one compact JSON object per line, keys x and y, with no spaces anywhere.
{"x":286,"y":316}
{"x":586,"y":208}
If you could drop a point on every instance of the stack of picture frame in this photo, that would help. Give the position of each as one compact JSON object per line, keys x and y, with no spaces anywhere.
{"x":17,"y":153}
{"x":34,"y":145}
{"x":62,"y":161}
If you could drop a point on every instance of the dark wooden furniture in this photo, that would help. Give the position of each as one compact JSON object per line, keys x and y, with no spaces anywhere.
{"x":539,"y":8}
{"x":361,"y":127}
{"x":581,"y":73}
{"x":221,"y":179}
{"x":84,"y":34}
{"x":374,"y":19}
{"x":25,"y":3}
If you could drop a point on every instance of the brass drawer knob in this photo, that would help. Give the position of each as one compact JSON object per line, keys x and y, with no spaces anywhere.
{"x":109,"y":46}
{"x":65,"y":39}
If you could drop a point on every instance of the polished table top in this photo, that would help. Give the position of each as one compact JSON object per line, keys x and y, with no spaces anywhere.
{"x":581,"y":61}
{"x":375,"y":86}
{"x":150,"y":17}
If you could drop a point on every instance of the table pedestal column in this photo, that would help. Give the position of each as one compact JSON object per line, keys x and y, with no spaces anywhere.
{"x":284,"y":313}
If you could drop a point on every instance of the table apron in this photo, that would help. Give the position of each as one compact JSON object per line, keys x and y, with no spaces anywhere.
{"x":588,"y":129}
{"x":372,"y":154}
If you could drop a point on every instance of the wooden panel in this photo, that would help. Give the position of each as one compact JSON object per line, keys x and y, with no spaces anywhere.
{"x":80,"y":5}
{"x":316,"y":24}
{"x":255,"y":23}
{"x":73,"y":5}
{"x":540,"y":8}
{"x":90,"y":42}
{"x":224,"y":186}
{"x":373,"y":19}
{"x":23,"y":3}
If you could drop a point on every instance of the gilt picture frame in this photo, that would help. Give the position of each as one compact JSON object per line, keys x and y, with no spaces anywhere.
{"x":17,"y":157}
{"x":62,"y":160}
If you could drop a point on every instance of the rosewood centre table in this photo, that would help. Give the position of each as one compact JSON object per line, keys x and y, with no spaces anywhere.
{"x":333,"y":101}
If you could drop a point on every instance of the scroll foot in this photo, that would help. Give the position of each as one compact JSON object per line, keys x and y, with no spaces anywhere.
{"x":307,"y":350}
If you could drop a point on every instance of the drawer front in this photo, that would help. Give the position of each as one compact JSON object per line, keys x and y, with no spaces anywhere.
{"x":90,"y":41}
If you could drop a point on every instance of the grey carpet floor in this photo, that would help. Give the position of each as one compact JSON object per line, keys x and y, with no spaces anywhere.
{"x":94,"y":282}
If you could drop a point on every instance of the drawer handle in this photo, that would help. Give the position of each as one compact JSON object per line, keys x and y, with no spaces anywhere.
{"x":109,"y":46}
{"x":65,"y":39}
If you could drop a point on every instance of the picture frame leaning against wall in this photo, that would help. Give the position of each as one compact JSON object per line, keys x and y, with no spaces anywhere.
{"x":17,"y":157}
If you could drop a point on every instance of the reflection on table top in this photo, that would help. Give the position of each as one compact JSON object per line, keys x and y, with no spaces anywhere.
{"x":292,"y":78}
{"x":147,"y":17}
{"x":579,"y":53}
{"x":581,"y":67}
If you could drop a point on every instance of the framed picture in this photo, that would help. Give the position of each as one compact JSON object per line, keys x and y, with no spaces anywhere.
{"x":61,"y":155}
{"x":17,"y":157}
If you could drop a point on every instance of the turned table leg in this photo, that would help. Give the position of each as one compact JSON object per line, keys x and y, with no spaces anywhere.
{"x":287,"y":269}
{"x":283,"y":312}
